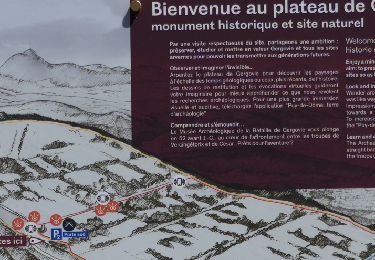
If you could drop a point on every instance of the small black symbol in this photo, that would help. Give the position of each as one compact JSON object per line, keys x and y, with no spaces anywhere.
{"x":179,"y":182}
{"x":103,"y":198}
{"x":30,"y":228}
{"x":69,"y":224}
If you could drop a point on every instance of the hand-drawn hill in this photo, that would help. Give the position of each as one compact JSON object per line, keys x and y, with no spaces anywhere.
{"x":93,"y":96}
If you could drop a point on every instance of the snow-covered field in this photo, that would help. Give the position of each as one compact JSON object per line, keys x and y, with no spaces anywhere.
{"x":54,"y":169}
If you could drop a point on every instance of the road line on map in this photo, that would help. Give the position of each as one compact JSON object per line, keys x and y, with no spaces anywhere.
{"x":133,"y":196}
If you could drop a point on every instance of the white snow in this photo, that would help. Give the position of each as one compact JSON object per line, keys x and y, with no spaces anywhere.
{"x":350,"y":230}
{"x":7,"y":177}
{"x":84,"y":177}
{"x":3,"y":192}
{"x":29,"y":195}
{"x":257,"y":248}
{"x":169,"y":201}
{"x":125,"y":172}
{"x":148,"y":165}
{"x":84,"y":152}
{"x":236,"y":228}
{"x":12,"y":187}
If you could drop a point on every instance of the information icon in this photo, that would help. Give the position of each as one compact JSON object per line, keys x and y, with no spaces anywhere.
{"x":56,"y":220}
{"x":102,"y":198}
{"x":18,"y":223}
{"x":34,"y":216}
{"x":179,"y":181}
{"x":31,"y":228}
{"x":100,"y":210}
{"x":69,"y":224}
{"x":113,"y":206}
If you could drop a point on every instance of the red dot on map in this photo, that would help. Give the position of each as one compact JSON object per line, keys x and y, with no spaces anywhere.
{"x":56,"y":220}
{"x":100,"y":210}
{"x":18,"y":223}
{"x":34,"y":216}
{"x":113,"y":206}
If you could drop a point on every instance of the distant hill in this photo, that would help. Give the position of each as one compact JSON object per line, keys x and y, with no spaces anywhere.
{"x":29,"y":66}
{"x":94,"y":96}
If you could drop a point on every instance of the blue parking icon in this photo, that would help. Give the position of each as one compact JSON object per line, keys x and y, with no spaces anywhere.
{"x":56,"y":234}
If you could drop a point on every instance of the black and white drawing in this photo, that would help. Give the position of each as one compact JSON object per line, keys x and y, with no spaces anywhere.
{"x":56,"y":169}
{"x":93,"y":96}
{"x":65,"y":129}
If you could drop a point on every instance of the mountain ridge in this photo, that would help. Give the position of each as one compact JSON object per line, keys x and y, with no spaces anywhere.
{"x":31,"y":67}
{"x":93,"y":96}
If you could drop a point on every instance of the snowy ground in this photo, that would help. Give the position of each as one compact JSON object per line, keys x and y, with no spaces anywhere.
{"x":58,"y":170}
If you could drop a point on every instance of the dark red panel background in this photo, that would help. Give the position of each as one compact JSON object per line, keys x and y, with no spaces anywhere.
{"x":315,"y":163}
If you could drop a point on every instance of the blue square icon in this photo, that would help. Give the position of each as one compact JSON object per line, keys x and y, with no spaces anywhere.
{"x":56,"y":234}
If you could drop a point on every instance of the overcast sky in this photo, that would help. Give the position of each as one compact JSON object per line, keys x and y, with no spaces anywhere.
{"x":79,"y":31}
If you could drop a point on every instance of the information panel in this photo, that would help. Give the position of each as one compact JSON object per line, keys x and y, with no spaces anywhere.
{"x":275,"y":94}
